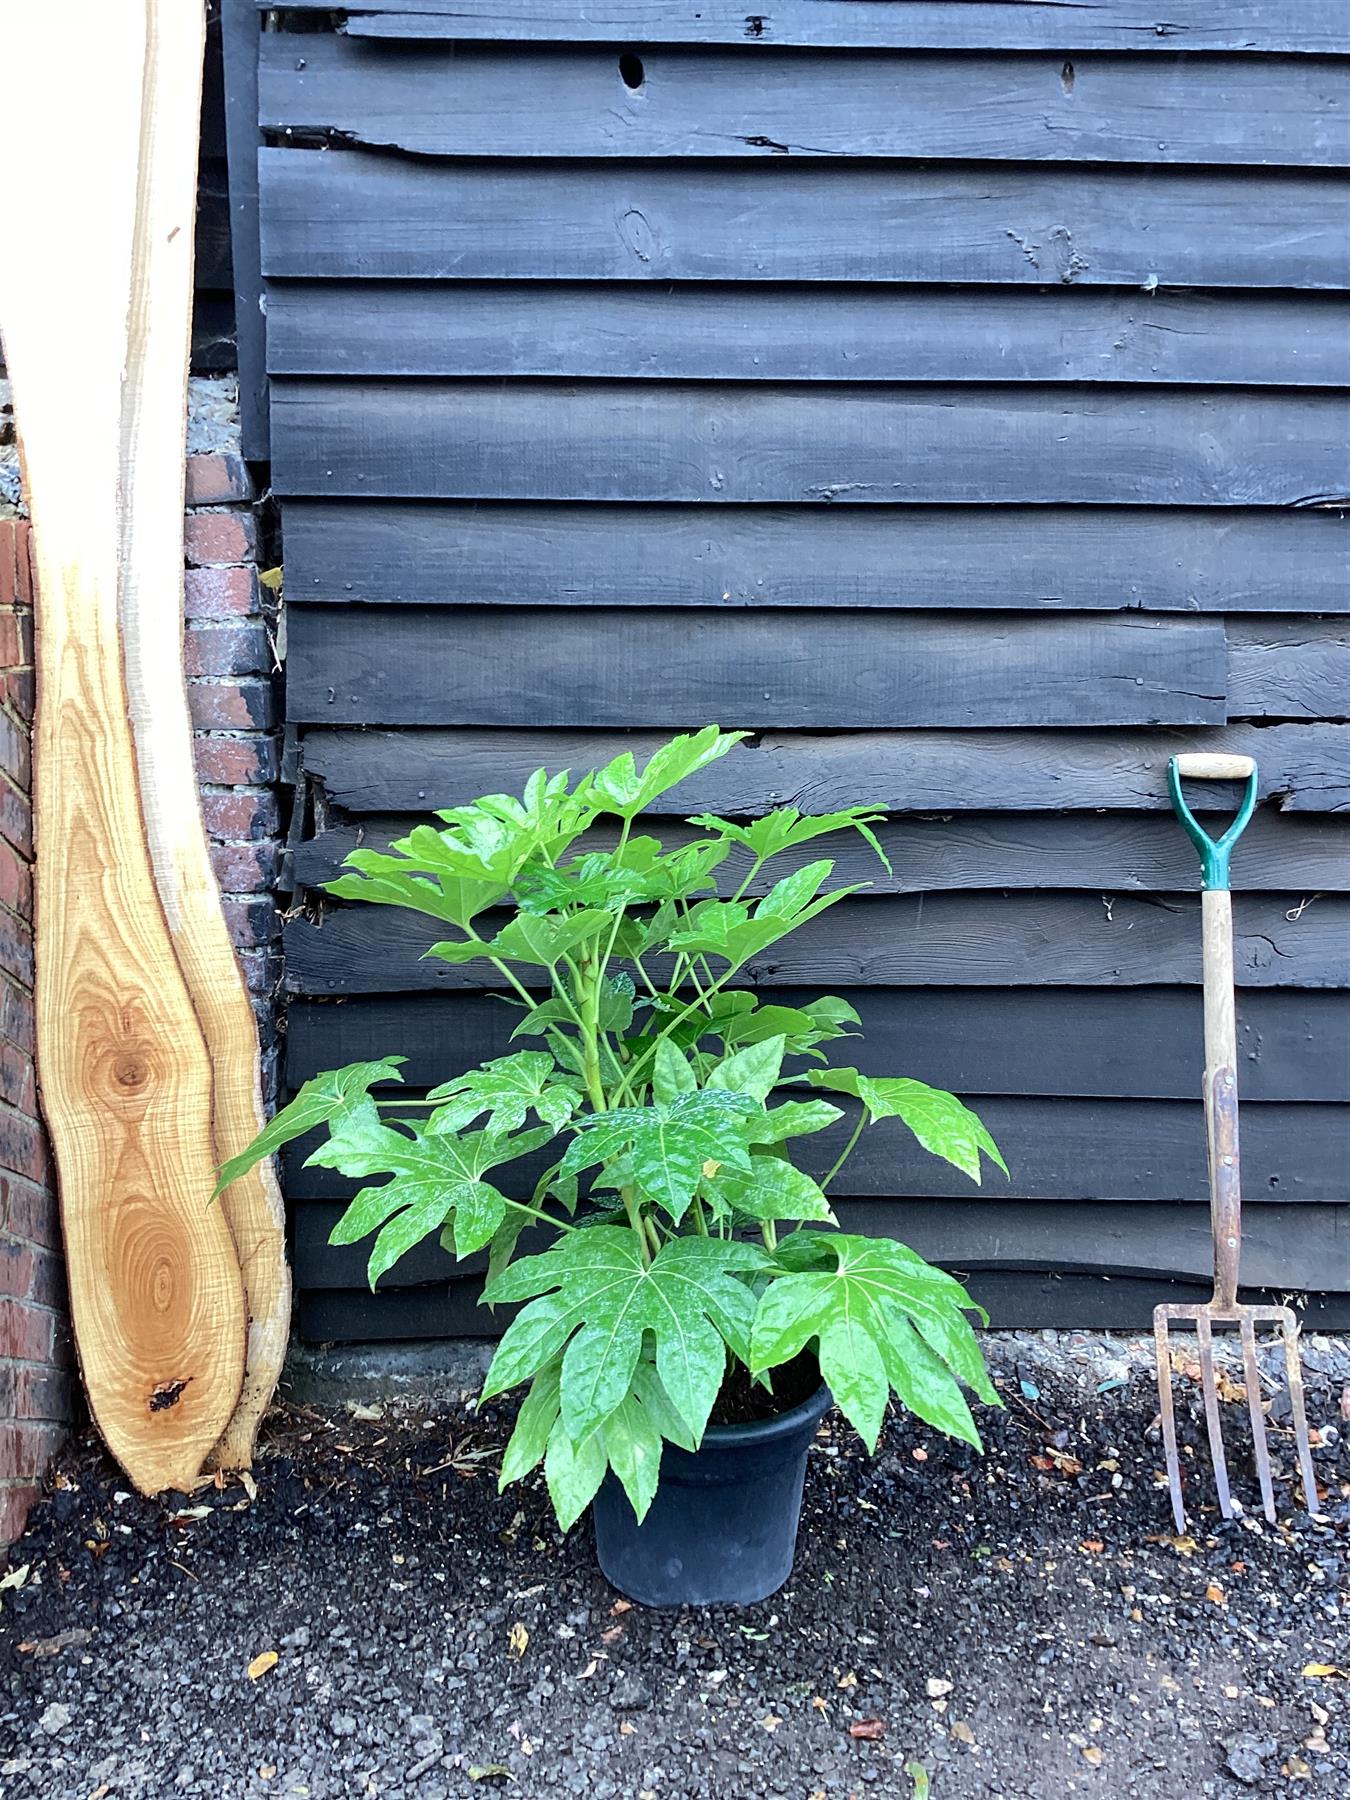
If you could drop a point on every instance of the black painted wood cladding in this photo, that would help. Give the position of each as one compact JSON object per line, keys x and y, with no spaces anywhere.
{"x":952,"y":394}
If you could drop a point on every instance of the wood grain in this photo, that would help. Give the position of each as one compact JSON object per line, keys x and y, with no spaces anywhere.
{"x":1306,"y":768}
{"x":1111,"y":1043}
{"x":522,"y":101}
{"x":126,"y":1077}
{"x":715,"y":331}
{"x":842,"y":445}
{"x":941,"y":940}
{"x":825,"y":670}
{"x":368,"y":215}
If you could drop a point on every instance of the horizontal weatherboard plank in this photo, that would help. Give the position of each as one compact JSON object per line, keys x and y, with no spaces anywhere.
{"x":1014,"y":1301}
{"x":358,"y":213}
{"x":1115,"y":1043}
{"x":939,"y":940}
{"x":1309,"y":1247}
{"x":1125,"y":1150}
{"x":1118,"y":852}
{"x":1294,"y":25}
{"x":1279,"y":669}
{"x":714,"y":331}
{"x":846,"y":445}
{"x":536,"y":554}
{"x":827,"y":670}
{"x":1305,"y":767}
{"x":442,"y":100}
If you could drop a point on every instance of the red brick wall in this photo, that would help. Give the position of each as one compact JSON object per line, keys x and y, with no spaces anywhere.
{"x":230,"y":663}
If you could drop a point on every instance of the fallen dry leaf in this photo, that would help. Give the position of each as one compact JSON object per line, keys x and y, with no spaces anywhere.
{"x":611,"y":1634}
{"x":819,"y":1703}
{"x":1322,"y":1672}
{"x":489,"y":1772}
{"x":1215,"y":1594}
{"x":1093,"y":1546}
{"x":518,"y":1641}
{"x":265,"y":1660}
{"x":871,"y":1729}
{"x":1092,"y":1756}
{"x":50,"y":1646}
{"x":589,"y":1670}
{"x":919,"y":1455}
{"x":850,"y":1680}
{"x":627,"y":1729}
{"x":620,"y":1606}
{"x":1296,"y":1769}
{"x":267,"y":1771}
{"x":962,"y":1732}
{"x":16,"y":1577}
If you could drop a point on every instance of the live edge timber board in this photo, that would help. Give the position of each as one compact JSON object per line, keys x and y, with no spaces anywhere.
{"x":954,"y":395}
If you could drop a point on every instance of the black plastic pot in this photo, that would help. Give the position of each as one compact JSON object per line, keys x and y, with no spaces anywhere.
{"x":723,"y":1526}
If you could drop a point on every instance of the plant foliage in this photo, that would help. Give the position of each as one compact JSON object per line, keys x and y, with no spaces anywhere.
{"x":652,"y":1130}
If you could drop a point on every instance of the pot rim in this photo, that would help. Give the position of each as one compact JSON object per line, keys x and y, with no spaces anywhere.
{"x":768,"y":1431}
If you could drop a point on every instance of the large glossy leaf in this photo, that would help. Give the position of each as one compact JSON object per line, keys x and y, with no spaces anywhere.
{"x":771,"y":1190}
{"x":509,"y":1088}
{"x":573,"y":1473}
{"x":740,"y":1020}
{"x":639,"y":874}
{"x":733,"y":931}
{"x":539,"y":939}
{"x":534,"y":1426}
{"x":633,"y":1447}
{"x":865,"y":1303}
{"x":941,"y":1123}
{"x":621,"y":788}
{"x":786,"y":829}
{"x":794,"y":1118}
{"x":753,"y":1070}
{"x":592,"y":1298}
{"x":327,"y":1099}
{"x":393,"y":880}
{"x":435,"y":1177}
{"x":497,"y":836}
{"x":668,"y":1144}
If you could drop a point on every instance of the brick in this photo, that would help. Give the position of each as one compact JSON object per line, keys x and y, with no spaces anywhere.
{"x":18,"y":1017}
{"x":18,"y":691}
{"x":11,"y":639}
{"x":218,"y":479}
{"x":253,"y":922}
{"x":16,"y":759}
{"x":16,"y":947}
{"x":47,"y":1282}
{"x":29,"y":1211}
{"x":220,"y":537}
{"x":226,"y":593}
{"x":17,"y":1081}
{"x":16,"y":1268}
{"x":16,"y":586}
{"x":27,"y":1332}
{"x":237,"y":761}
{"x":263,"y":973}
{"x":16,"y":1503}
{"x":16,"y":881}
{"x":238,"y":649}
{"x":23,"y":1146}
{"x":232,"y":705}
{"x":16,"y":817}
{"x":26,"y":1448}
{"x":245,"y":868}
{"x":40,"y":1393}
{"x":245,"y":815}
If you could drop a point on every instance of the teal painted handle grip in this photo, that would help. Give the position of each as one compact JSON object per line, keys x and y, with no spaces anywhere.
{"x":1214,"y":853}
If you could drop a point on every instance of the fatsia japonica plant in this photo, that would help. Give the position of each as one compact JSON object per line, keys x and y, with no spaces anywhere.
{"x":668,"y":1107}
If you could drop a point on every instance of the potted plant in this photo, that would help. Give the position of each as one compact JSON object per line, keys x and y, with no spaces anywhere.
{"x":656,"y":1133}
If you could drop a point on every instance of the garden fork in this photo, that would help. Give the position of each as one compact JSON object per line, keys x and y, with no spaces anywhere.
{"x":1225,"y":1181}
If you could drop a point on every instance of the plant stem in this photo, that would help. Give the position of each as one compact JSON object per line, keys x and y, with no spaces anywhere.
{"x":847,"y":1150}
{"x":769,"y":1232}
{"x":635,"y":1219}
{"x":543,"y":1217}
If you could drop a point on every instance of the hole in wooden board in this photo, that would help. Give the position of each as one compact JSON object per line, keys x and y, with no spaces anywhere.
{"x":631,"y":71}
{"x":1066,"y":78}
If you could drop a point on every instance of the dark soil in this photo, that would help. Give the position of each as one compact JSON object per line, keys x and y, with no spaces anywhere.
{"x":743,"y":1401}
{"x":1022,"y":1626}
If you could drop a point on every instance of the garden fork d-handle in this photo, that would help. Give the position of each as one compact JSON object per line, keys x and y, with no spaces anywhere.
{"x":1220,"y":1087}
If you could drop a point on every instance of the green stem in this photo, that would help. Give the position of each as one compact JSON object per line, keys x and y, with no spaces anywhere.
{"x":769,"y":1232}
{"x":700,"y":1222}
{"x":847,"y":1150}
{"x":543,"y":1217}
{"x":635,"y":1219}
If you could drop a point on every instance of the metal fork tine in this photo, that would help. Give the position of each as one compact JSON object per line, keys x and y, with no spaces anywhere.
{"x":1289,"y":1329}
{"x":1205,"y":1339}
{"x":1169,"y":1423}
{"x":1252,"y":1377}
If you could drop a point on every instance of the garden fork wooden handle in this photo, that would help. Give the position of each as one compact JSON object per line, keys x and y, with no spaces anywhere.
{"x":1220,"y":1083}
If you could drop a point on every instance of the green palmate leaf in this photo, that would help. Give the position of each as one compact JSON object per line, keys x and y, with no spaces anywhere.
{"x":668,"y":1144}
{"x":529,"y":938}
{"x":729,"y":929}
{"x":752,"y":1071}
{"x":620,"y":788}
{"x":633,"y":1447}
{"x":573,"y":1473}
{"x":786,"y":829}
{"x":436,"y":1176}
{"x":509,"y":1088}
{"x":795,"y":1118}
{"x":495,"y":837}
{"x":881,"y":1317}
{"x":740,"y":1020}
{"x":593,"y":1298}
{"x":387,"y":881}
{"x":534,"y":1426}
{"x":326,"y":1100}
{"x":671,"y":1074}
{"x":771,"y":1190}
{"x":634,"y":875}
{"x":940,"y":1122}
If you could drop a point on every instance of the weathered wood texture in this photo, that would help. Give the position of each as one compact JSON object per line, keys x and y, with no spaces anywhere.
{"x":1111,"y":1043}
{"x":845,"y":445}
{"x":443,"y":101}
{"x":363,"y":214}
{"x":953,"y":394}
{"x":706,"y":332}
{"x":993,"y":940}
{"x":500,"y":553}
{"x":154,"y":1279}
{"x":1301,"y":768}
{"x":1266,"y":25}
{"x":827,"y":670}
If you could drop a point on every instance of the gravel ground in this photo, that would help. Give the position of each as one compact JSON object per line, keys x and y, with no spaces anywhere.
{"x":368,"y":1618}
